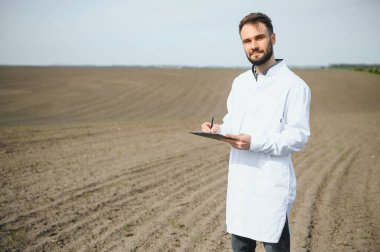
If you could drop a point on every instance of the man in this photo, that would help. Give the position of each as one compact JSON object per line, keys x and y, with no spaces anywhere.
{"x":268,"y":118}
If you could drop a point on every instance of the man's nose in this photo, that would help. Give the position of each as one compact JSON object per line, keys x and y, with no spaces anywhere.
{"x":254,"y":46}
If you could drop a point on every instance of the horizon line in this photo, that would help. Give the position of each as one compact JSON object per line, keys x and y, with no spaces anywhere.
{"x":184,"y":66}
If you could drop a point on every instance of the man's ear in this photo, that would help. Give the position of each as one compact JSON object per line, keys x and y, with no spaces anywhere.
{"x":273,"y":38}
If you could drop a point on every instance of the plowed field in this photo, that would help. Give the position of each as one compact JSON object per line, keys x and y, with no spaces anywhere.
{"x":100,"y":159}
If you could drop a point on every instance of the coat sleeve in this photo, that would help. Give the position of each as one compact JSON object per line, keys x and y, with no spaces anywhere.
{"x":296,"y":131}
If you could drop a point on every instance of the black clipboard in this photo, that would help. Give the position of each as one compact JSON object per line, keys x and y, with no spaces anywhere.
{"x":211,"y":135}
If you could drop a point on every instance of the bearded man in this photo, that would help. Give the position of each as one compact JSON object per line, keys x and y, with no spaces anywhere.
{"x":268,"y":119}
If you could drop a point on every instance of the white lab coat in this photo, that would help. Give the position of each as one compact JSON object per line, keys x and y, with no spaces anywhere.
{"x":274,"y":110}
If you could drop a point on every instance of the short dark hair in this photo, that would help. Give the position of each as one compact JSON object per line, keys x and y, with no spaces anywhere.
{"x":254,"y":18}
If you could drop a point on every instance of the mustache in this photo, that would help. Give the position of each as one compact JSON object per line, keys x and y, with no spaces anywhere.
{"x":255,"y":50}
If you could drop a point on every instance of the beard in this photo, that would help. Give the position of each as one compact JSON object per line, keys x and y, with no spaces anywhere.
{"x":264,"y":58}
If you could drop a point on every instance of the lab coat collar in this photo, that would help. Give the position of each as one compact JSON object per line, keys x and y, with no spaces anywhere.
{"x":273,"y":70}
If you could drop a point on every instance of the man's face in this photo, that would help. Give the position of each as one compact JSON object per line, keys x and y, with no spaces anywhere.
{"x":257,"y":43}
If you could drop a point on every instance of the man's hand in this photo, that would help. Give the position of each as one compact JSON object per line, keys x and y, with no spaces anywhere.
{"x":240,"y":142}
{"x":206,"y":127}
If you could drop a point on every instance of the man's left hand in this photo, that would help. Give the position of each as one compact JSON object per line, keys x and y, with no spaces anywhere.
{"x":240,"y":142}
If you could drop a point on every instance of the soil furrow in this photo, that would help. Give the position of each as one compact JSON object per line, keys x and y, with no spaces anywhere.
{"x":203,"y":210}
{"x":206,"y":221}
{"x":327,"y":180}
{"x":138,"y":171}
{"x":122,"y":201}
{"x":73,"y":195}
{"x":307,"y":193}
{"x":180,"y":207}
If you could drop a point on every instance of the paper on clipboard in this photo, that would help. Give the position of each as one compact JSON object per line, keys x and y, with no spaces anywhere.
{"x":210,"y":135}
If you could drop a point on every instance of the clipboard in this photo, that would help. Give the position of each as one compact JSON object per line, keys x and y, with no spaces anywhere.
{"x":210,"y":135}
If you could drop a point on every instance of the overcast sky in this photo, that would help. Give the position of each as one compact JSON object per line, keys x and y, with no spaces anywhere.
{"x":189,"y":33}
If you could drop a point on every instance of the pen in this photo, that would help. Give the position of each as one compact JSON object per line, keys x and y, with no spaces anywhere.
{"x":212,"y":122}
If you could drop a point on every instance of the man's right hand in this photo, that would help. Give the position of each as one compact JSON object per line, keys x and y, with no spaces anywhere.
{"x":206,"y":127}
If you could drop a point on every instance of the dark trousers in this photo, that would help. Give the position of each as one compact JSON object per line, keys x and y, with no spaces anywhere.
{"x":243,"y":244}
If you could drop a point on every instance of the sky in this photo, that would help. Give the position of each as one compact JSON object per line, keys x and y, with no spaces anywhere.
{"x":196,"y":33}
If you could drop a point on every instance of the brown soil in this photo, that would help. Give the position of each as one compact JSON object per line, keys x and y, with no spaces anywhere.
{"x":100,"y":159}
